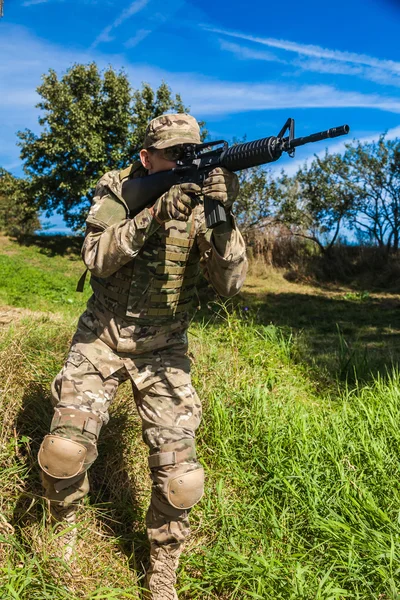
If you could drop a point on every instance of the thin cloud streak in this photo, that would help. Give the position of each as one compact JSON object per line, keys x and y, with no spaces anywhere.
{"x":244,"y":53}
{"x":32,"y":2}
{"x":313,"y":51}
{"x":381,"y":76}
{"x":137,"y":38}
{"x":128,"y":12}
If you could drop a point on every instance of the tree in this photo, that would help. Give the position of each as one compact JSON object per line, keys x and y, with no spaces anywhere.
{"x":373,"y":176}
{"x":17,"y":215}
{"x":315,"y":202}
{"x":91,"y":122}
{"x":253,"y":205}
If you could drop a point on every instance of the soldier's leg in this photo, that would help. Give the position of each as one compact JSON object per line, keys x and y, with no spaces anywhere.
{"x":171,"y":411}
{"x":81,"y":397}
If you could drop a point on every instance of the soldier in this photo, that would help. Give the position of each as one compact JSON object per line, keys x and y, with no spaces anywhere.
{"x":143,"y":274}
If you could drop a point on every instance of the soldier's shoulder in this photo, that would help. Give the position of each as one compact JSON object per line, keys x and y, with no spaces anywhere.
{"x":108,"y":180}
{"x":106,"y":208}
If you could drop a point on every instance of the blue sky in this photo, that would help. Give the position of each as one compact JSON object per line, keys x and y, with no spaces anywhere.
{"x":243,"y":67}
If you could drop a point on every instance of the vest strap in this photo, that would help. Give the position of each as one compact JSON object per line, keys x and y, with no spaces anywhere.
{"x":163,"y":298}
{"x":173,"y":256}
{"x":169,"y":270}
{"x":181,"y":242}
{"x":81,"y":283}
{"x":163,"y":312}
{"x":172,"y":283}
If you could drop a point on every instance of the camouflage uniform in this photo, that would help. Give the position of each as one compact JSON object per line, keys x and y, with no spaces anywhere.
{"x":143,"y":276}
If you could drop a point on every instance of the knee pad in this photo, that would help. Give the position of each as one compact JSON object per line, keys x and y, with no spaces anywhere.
{"x":185,"y":488}
{"x":180,"y":483}
{"x":61,"y":458}
{"x":70,"y":448}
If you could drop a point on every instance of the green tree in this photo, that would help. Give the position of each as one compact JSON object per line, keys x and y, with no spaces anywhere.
{"x":18,"y":217}
{"x":372,"y":174}
{"x":317,"y":200}
{"x":257,"y":191}
{"x":91,"y":122}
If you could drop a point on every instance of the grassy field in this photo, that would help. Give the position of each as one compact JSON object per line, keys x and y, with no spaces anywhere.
{"x":300,"y":441}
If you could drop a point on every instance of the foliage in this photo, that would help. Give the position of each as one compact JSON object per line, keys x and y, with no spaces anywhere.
{"x":371,"y":172}
{"x":253,"y":206}
{"x":315,"y":202}
{"x":91,"y":123}
{"x":18,"y":217}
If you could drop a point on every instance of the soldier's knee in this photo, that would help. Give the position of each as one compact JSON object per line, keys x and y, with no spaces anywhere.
{"x":185,"y":487}
{"x":178,"y":482}
{"x":61,"y":458}
{"x":71,"y":446}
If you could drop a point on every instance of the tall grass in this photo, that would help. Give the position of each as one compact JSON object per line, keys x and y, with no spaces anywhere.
{"x":302,"y":493}
{"x":302,"y":496}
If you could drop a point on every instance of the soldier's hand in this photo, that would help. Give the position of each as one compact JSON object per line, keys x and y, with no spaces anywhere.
{"x":221,"y":185}
{"x":177,"y":203}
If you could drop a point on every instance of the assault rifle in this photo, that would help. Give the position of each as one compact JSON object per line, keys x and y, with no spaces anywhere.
{"x":199,"y":159}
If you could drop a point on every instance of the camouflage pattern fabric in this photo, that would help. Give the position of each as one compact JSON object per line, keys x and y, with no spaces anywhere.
{"x":221,"y":185}
{"x":171,"y":130}
{"x":167,"y":403}
{"x":177,"y":203}
{"x":135,"y":327}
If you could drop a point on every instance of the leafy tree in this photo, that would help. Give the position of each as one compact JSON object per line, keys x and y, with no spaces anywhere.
{"x":91,"y":123}
{"x":372,"y":173}
{"x":315,"y":202}
{"x":253,"y":205}
{"x":17,"y":215}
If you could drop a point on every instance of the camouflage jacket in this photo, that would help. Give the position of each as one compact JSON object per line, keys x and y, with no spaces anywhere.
{"x":143,"y":274}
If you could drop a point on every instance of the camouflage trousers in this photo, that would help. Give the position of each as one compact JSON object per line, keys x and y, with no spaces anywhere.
{"x":167,"y":404}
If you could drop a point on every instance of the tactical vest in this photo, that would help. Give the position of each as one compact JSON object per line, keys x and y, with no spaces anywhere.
{"x":160,"y":281}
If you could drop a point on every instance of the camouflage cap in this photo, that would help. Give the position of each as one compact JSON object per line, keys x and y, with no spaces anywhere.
{"x":170,"y":130}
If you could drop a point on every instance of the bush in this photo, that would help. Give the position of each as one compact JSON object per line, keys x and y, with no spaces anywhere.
{"x":18,"y":215}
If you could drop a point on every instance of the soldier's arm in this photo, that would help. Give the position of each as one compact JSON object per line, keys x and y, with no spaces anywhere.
{"x":223,"y":257}
{"x":112,"y":239}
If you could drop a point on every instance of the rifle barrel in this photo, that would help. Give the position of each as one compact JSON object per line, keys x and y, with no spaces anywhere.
{"x":317,"y":137}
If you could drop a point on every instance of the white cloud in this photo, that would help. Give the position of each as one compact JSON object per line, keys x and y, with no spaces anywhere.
{"x":140,"y":35}
{"x":128,"y":12}
{"x":209,"y":97}
{"x":247,"y":53}
{"x":322,"y":60}
{"x":314,"y":51}
{"x":32,"y":2}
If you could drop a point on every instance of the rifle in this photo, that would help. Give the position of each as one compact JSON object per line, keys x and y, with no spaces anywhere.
{"x":199,"y":159}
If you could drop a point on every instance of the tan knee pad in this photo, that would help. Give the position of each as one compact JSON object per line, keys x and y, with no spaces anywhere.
{"x":61,"y":458}
{"x":70,"y":448}
{"x":185,"y":488}
{"x":177,"y":488}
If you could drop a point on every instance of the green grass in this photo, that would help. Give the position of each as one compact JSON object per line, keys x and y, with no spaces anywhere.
{"x":302,"y":495}
{"x":35,"y":279}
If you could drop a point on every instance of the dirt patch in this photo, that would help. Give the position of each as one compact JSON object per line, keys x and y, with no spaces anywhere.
{"x":10,"y":314}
